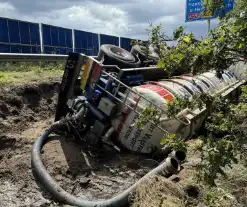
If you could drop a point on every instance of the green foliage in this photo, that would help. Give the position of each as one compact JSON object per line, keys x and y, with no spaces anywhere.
{"x":226,"y":133}
{"x":227,"y":124}
{"x":25,"y":72}
{"x":215,"y":196}
{"x":190,"y":55}
{"x":158,"y":40}
{"x":226,"y":137}
{"x":214,"y":6}
{"x":148,"y":114}
{"x":24,"y":77}
{"x":225,"y":46}
{"x":136,"y":42}
{"x":240,"y":7}
{"x":174,"y":141}
{"x":197,"y":101}
{"x":178,"y":33}
{"x":215,"y":156}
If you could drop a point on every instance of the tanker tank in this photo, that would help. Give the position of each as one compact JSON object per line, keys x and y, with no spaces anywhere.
{"x":159,"y":93}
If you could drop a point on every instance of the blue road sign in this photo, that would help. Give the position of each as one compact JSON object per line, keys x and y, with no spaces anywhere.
{"x":196,"y":11}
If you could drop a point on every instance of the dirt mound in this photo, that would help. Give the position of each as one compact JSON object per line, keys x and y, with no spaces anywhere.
{"x":159,"y":191}
{"x":26,"y":103}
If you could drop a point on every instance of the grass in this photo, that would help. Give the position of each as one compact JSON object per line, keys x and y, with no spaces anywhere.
{"x":23,"y":73}
{"x":28,"y":76}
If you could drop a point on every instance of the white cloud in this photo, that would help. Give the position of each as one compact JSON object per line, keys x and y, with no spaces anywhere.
{"x":93,"y":17}
{"x":129,"y":18}
{"x":6,"y":8}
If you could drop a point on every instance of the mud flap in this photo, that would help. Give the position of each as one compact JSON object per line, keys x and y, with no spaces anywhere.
{"x":71,"y":74}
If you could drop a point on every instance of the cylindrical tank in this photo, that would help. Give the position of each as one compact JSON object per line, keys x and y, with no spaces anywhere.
{"x":239,"y":70}
{"x":199,"y":83}
{"x":219,"y":84}
{"x":192,"y":88}
{"x":177,"y":89}
{"x":148,"y":139}
{"x":231,"y":76}
{"x":208,"y":82}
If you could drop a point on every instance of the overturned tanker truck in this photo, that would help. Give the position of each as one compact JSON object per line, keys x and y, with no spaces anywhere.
{"x":101,"y":98}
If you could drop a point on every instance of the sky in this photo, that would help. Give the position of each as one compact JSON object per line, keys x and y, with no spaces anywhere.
{"x":126,"y":18}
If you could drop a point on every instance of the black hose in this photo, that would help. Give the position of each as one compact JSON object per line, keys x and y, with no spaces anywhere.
{"x":170,"y":166}
{"x":178,"y":155}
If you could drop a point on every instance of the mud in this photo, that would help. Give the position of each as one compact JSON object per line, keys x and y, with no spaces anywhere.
{"x":25,"y":111}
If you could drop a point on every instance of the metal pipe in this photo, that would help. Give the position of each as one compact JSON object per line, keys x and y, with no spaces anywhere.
{"x":142,"y":68}
{"x":130,"y":100}
{"x":108,"y":133}
{"x":111,"y":66}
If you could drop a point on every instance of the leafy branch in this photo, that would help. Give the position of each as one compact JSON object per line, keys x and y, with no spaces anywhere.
{"x":226,"y":128}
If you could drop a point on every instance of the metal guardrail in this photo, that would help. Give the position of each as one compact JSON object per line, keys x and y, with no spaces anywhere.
{"x":20,"y":57}
{"x":4,"y":57}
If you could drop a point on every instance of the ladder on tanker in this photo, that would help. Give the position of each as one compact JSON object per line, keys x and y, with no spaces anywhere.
{"x":128,"y":97}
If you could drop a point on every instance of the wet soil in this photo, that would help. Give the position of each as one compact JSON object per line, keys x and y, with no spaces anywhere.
{"x":25,"y":112}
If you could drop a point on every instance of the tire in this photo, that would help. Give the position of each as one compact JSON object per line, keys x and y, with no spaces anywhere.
{"x":113,"y":55}
{"x":140,"y":51}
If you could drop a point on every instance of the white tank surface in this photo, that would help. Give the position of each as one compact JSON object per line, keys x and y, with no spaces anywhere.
{"x":199,"y":86}
{"x":231,"y":76}
{"x":184,"y":84}
{"x":219,"y":84}
{"x":148,"y":139}
{"x":208,"y":82}
{"x":239,"y":70}
{"x":203,"y":87}
{"x":192,"y":88}
{"x":175,"y":88}
{"x":226,"y":78}
{"x":188,"y":75}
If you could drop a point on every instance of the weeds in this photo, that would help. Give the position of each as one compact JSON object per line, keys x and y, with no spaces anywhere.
{"x":29,"y":66}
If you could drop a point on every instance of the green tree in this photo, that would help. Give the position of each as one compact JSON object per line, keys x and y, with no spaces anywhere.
{"x":214,"y":6}
{"x":240,"y":7}
{"x":225,"y":46}
{"x":226,"y":126}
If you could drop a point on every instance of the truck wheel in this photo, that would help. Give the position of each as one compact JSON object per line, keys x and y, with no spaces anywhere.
{"x":141,"y":52}
{"x":113,"y":55}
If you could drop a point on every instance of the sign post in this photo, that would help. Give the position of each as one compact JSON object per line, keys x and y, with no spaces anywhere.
{"x":208,"y":21}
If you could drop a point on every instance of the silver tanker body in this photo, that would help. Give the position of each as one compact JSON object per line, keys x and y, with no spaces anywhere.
{"x":148,"y":139}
